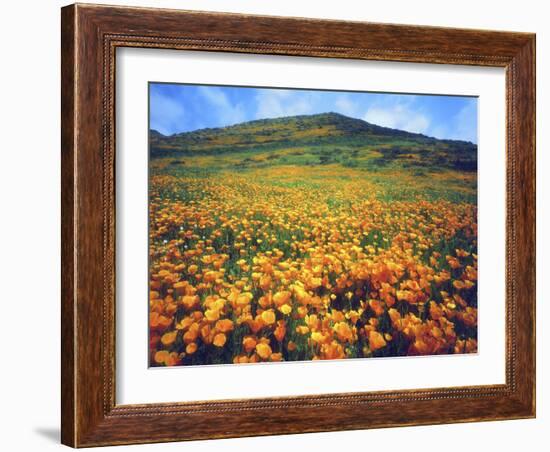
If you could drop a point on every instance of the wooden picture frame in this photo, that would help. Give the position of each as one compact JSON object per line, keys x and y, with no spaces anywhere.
{"x":90,"y":36}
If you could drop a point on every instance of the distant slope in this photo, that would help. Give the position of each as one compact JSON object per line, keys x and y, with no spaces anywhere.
{"x":324,"y":134}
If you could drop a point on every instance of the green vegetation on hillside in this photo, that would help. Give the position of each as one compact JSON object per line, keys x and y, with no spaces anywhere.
{"x":322,"y":139}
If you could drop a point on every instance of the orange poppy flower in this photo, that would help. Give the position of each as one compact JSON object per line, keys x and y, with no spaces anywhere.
{"x":168,"y":339}
{"x":224,"y":325}
{"x":268,"y":317}
{"x":376,"y":340}
{"x":219,"y":340}
{"x":263,"y":351}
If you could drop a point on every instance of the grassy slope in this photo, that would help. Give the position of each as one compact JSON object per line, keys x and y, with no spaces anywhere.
{"x":402,"y":164}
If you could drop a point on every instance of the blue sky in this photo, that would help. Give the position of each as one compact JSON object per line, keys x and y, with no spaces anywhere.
{"x":176,"y":108}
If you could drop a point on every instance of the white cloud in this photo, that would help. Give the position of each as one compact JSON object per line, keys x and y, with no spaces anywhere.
{"x":462,"y":126}
{"x":167,"y":114}
{"x":227,"y":112}
{"x":398,"y":115}
{"x":466,"y":123}
{"x":280,"y":103}
{"x":346,"y":106}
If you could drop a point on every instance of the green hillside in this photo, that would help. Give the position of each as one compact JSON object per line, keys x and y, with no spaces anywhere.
{"x":322,"y":139}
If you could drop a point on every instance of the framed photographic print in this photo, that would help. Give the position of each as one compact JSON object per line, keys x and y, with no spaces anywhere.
{"x":281,"y":225}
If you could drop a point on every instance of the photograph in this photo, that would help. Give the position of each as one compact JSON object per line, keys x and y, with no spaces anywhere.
{"x":300,"y":225}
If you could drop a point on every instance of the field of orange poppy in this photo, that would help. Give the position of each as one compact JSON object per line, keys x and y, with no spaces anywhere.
{"x":306,"y":263}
